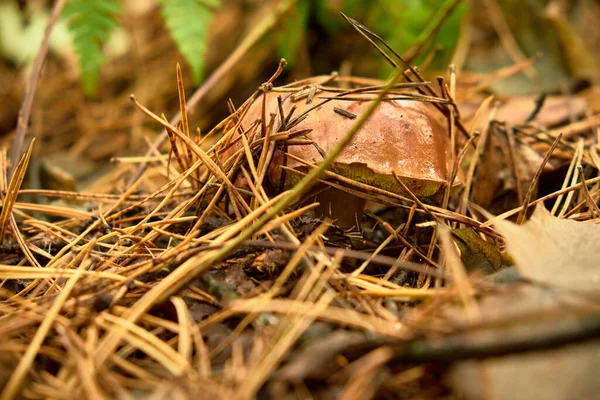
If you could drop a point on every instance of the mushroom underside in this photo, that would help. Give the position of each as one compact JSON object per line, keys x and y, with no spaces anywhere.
{"x":346,"y":209}
{"x":421,"y":188}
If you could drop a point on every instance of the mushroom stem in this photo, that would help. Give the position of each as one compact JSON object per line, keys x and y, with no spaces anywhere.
{"x":343,"y":208}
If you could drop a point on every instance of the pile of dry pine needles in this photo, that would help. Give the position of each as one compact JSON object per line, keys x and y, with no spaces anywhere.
{"x":180,"y":287}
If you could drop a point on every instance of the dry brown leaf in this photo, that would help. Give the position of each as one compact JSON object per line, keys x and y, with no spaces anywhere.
{"x":555,"y":251}
{"x":476,"y":253}
{"x":516,"y":110}
{"x":496,"y":176}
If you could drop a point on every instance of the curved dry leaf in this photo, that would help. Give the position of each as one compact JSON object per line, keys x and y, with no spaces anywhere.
{"x":516,"y":110}
{"x":555,"y":251}
{"x":476,"y":253}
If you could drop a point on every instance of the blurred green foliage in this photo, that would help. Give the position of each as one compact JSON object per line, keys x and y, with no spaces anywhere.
{"x":292,"y":31}
{"x":401,"y":23}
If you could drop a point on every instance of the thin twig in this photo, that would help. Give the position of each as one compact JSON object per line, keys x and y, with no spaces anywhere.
{"x":30,"y":88}
{"x":535,"y":180}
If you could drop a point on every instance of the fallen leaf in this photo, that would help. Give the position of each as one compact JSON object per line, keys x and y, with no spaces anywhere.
{"x":496,"y":176}
{"x":476,"y":253}
{"x":516,"y":110}
{"x":555,"y":251}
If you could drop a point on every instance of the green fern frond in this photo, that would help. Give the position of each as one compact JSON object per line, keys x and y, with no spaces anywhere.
{"x":90,"y":24}
{"x":187,"y":21}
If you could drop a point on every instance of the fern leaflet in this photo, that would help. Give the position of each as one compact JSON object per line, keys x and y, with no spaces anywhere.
{"x":90,"y":24}
{"x":187,"y":21}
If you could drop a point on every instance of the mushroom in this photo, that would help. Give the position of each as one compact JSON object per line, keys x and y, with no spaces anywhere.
{"x":402,"y":137}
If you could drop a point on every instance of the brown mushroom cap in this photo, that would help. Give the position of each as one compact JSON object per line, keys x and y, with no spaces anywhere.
{"x":402,"y":136}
